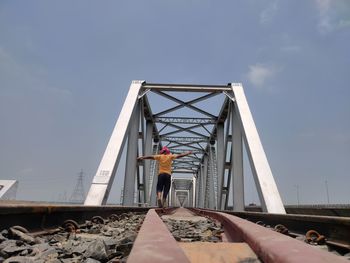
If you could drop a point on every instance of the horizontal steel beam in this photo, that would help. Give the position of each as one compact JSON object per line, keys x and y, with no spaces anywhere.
{"x":176,"y":151}
{"x":181,"y":171}
{"x":185,"y":120}
{"x":187,"y":87}
{"x":184,"y":139}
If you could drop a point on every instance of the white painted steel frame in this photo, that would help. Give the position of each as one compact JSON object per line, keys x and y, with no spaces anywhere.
{"x":237,"y":163}
{"x":147,"y":165}
{"x":103,"y":179}
{"x":221,"y":158}
{"x":8,"y":189}
{"x":242,"y":125}
{"x":153,"y":173}
{"x":131,"y":158}
{"x":269,"y":196}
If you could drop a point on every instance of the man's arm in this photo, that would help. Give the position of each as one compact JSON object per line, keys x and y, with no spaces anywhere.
{"x":183,"y":154}
{"x":149,"y":157}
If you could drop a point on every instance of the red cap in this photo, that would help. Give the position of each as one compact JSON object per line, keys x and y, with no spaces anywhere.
{"x":165,"y":150}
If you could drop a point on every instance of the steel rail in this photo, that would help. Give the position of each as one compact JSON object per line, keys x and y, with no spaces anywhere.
{"x":39,"y":217}
{"x":335,"y":229}
{"x":155,"y":241}
{"x":269,"y":245}
{"x":315,"y":210}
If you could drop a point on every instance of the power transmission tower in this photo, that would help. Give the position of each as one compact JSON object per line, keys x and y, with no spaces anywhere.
{"x":78,"y":195}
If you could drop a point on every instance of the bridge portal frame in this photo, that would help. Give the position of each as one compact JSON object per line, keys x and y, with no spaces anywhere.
{"x":235,"y":115}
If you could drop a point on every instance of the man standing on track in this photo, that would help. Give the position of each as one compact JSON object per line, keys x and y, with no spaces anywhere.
{"x":165,"y":159}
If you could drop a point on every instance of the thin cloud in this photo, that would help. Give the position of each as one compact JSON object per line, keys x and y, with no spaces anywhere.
{"x":344,"y":23}
{"x":324,"y":23}
{"x":331,"y":15}
{"x":259,"y":74}
{"x":20,"y":76}
{"x":323,"y":5}
{"x":268,"y":13}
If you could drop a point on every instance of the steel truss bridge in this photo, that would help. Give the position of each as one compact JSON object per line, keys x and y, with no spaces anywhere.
{"x":203,"y":179}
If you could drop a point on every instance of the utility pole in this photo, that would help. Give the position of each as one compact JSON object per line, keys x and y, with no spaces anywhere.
{"x":326,"y":183}
{"x":297,"y":189}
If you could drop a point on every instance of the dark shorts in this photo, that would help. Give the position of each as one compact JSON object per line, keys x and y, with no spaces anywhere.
{"x":163,"y":184}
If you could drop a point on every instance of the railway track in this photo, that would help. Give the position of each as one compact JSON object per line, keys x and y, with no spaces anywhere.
{"x":43,"y":233}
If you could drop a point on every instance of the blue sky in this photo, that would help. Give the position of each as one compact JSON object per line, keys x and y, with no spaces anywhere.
{"x":66,"y":66}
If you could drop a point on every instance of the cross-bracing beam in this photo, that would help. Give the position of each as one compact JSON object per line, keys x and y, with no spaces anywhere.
{"x":215,"y":139}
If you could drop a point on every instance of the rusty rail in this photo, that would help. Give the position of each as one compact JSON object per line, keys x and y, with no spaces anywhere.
{"x":39,"y":217}
{"x":269,"y":245}
{"x":335,"y":229}
{"x":155,"y":242}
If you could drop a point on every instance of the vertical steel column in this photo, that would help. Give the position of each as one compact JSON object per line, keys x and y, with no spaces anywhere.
{"x":270,"y":199}
{"x":190,"y":197}
{"x":172,"y":194}
{"x":201,"y":187}
{"x":198,"y":188}
{"x":228,"y":139}
{"x":237,"y":164}
{"x":205,"y":174}
{"x":142,"y":186}
{"x":131,"y":158}
{"x":210,"y":179}
{"x":140,"y":190}
{"x":187,"y":199}
{"x":177,"y":203}
{"x":228,"y":188}
{"x":221,"y":156}
{"x":147,"y":164}
{"x":194,"y":189}
{"x":153,"y":196}
{"x":153,"y":176}
{"x":103,"y":179}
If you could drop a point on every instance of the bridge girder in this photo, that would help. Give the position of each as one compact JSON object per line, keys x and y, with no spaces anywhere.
{"x":213,"y":138}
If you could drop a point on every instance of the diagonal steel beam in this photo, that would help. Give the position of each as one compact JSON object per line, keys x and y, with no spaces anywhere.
{"x":184,"y":129}
{"x":185,"y":104}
